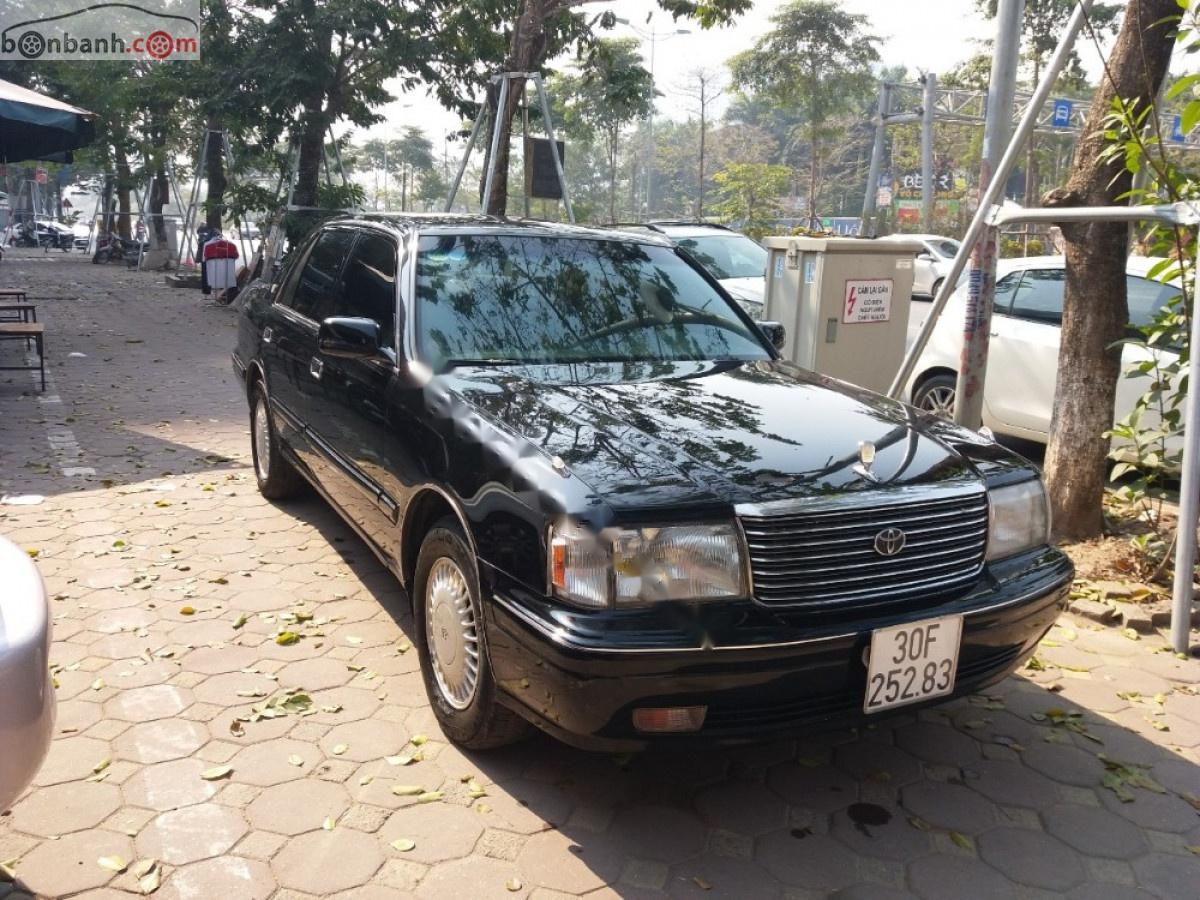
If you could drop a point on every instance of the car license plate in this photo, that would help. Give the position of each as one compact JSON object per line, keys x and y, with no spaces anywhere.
{"x":912,"y":662}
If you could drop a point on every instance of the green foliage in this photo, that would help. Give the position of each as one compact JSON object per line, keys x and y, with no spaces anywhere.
{"x":815,"y":59}
{"x":1146,"y":442}
{"x":748,"y":195}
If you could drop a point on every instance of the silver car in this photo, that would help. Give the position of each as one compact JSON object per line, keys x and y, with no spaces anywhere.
{"x":26,"y":686}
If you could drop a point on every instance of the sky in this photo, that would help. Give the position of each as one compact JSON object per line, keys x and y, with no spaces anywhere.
{"x":927,"y":34}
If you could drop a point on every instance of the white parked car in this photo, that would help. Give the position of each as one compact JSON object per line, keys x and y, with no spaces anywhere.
{"x":1018,"y":397}
{"x":27,"y":703}
{"x":932,"y":264}
{"x":738,"y":262}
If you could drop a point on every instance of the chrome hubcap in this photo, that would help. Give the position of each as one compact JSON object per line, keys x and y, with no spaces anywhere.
{"x":451,"y":633}
{"x":262,"y":440}
{"x":939,"y":401}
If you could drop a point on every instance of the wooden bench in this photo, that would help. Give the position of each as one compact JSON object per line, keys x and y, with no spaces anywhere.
{"x":18,"y":294}
{"x":26,"y":331}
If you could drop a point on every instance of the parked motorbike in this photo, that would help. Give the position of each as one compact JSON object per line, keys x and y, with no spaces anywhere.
{"x":24,"y":235}
{"x":113,"y":247}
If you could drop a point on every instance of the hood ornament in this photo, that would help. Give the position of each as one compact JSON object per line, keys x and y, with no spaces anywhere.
{"x":866,"y":458}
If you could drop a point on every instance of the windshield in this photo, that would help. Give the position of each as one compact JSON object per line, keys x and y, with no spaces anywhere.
{"x":508,"y":299}
{"x":727,"y":256}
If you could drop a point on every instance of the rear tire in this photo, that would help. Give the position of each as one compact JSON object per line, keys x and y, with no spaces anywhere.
{"x":937,"y":394}
{"x":452,"y":643}
{"x":277,"y":477}
{"x":937,"y":286}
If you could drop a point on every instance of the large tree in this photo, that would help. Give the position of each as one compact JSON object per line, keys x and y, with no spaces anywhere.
{"x":610,"y":90}
{"x":1095,"y":308}
{"x":815,"y":59}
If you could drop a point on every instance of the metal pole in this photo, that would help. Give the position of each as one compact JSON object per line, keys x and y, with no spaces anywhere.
{"x":977,"y":323}
{"x":558,"y":166}
{"x":930,"y":82}
{"x":501,"y":111}
{"x":992,"y":193}
{"x":462,"y":166}
{"x":648,"y":204}
{"x":525,"y":134}
{"x":870,"y":200}
{"x":1182,"y":593}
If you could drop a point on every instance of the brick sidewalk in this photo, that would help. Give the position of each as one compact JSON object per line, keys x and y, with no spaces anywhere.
{"x":171,"y":577}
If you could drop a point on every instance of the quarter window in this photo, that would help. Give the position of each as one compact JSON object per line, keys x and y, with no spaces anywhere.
{"x":369,"y":285}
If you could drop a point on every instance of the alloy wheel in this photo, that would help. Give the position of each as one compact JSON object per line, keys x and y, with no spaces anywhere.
{"x":262,"y":440}
{"x":939,"y":401}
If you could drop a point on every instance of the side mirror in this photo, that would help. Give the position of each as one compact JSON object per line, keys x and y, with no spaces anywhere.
{"x":774,"y":332}
{"x":349,"y":338}
{"x":926,"y":257}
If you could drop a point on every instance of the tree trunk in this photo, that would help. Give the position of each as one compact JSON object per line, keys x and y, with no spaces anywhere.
{"x":703,"y":128}
{"x":1095,"y":308}
{"x":526,"y":53}
{"x":612,"y":176}
{"x":214,"y":173}
{"x":124,"y":184}
{"x":159,"y":188}
{"x":312,"y":150}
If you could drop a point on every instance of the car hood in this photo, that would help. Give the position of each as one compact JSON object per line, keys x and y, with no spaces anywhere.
{"x":649,"y":435}
{"x":749,"y":289}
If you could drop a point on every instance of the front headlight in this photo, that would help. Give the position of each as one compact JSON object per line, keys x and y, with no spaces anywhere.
{"x":624,"y":566}
{"x":1018,"y":519}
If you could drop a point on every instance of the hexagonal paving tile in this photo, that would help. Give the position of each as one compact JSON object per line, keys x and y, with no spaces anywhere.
{"x":936,"y":743}
{"x":1010,"y":784}
{"x":1031,"y":858}
{"x":322,"y":862}
{"x":942,"y":877}
{"x":745,"y":807}
{"x":950,"y":806}
{"x":153,"y":742}
{"x":440,"y":830}
{"x":145,"y":704}
{"x":525,"y":807}
{"x":873,"y":830}
{"x":294,"y":808}
{"x":68,"y":866}
{"x":191,"y":834}
{"x":169,"y":785}
{"x":71,"y":759}
{"x":812,"y":861}
{"x":873,"y":760}
{"x":271,"y":762}
{"x":365,"y":740}
{"x":1095,"y":832}
{"x":819,"y":788}
{"x":570,"y":864}
{"x":63,"y":808}
{"x":222,"y":877}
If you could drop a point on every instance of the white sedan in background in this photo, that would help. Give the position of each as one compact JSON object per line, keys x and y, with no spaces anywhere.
{"x":1018,"y":396}
{"x":932,"y":263}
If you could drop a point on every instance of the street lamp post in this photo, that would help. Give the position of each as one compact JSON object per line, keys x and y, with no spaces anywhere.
{"x":653,"y":37}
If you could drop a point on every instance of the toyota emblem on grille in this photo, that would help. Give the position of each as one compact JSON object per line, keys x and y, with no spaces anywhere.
{"x":889,"y":542}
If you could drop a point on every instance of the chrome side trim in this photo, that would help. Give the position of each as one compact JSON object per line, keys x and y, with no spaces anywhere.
{"x":557,"y":636}
{"x":880,"y":498}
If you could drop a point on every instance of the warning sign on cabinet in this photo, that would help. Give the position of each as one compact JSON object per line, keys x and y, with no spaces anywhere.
{"x":867,"y":300}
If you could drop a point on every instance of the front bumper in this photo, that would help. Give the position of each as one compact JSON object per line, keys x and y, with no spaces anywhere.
{"x":760,"y":675}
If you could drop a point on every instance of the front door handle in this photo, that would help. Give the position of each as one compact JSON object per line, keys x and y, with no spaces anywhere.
{"x":315,"y":367}
{"x":268,"y":334}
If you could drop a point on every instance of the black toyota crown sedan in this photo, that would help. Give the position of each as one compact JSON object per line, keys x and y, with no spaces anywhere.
{"x":619,"y":514}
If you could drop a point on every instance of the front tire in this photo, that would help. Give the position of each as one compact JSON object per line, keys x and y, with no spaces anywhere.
{"x":937,"y":394}
{"x":277,"y":477}
{"x":937,"y":286}
{"x":452,"y":643}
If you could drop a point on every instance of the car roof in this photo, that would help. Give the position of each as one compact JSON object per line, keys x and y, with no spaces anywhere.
{"x":1134,"y":265}
{"x":461,"y":223}
{"x":917,"y":237}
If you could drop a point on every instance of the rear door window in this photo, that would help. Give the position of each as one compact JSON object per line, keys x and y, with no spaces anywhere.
{"x":315,"y":295}
{"x":1006,"y":287}
{"x":1039,"y":297}
{"x":1146,"y":299}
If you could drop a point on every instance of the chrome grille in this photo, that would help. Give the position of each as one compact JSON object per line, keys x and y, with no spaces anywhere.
{"x":820,"y":552}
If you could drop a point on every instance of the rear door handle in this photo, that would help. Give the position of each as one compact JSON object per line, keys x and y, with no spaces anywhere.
{"x":315,"y":368}
{"x":268,"y":334}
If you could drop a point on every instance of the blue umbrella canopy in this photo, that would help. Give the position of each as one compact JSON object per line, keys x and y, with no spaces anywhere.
{"x":34,"y":126}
